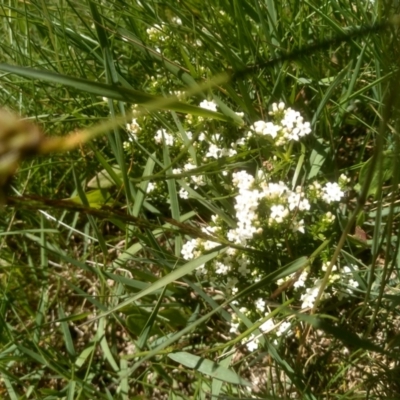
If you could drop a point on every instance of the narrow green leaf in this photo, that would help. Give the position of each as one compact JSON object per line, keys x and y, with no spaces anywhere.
{"x":69,"y":344}
{"x":81,"y":359}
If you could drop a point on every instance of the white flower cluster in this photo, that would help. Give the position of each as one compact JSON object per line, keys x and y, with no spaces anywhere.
{"x":162,"y":136}
{"x":281,"y":201}
{"x":156,"y":33}
{"x":308,"y":298}
{"x":287,"y":125}
{"x":195,"y":247}
{"x":275,"y":330}
{"x":208,"y":105}
{"x":341,"y":282}
{"x":133,"y":129}
{"x":214,"y":151}
{"x":196,"y":179}
{"x":331,"y":192}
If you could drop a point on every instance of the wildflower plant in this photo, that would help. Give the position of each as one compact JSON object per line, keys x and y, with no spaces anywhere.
{"x":230,"y":228}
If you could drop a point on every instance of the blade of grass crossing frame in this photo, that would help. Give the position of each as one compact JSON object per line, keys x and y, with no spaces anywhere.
{"x":353,"y":80}
{"x":10,"y":389}
{"x":144,"y":335}
{"x":71,"y":390}
{"x":326,"y":97}
{"x":112,"y":78}
{"x":101,"y":338}
{"x":123,"y":388}
{"x":165,"y":280}
{"x":141,"y":193}
{"x":173,"y":197}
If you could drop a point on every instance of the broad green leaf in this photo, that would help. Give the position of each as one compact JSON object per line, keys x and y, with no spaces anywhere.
{"x":96,"y":198}
{"x":387,"y":163}
{"x":103,"y":179}
{"x":208,"y":367}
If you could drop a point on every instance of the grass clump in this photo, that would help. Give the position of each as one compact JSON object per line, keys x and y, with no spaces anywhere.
{"x":213,"y":212}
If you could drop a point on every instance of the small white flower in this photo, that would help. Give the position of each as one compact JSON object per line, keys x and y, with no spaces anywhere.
{"x":251,"y":342}
{"x":260,"y":305}
{"x":183,"y":194}
{"x":311,"y":294}
{"x":133,"y":129}
{"x":177,"y":20}
{"x":213,"y":151}
{"x":163,"y":136}
{"x":301,"y":281}
{"x":298,"y":226}
{"x":243,"y":270}
{"x":267,"y":326}
{"x":222,"y":269}
{"x":208,"y":105}
{"x":228,"y":152}
{"x":332,"y":192}
{"x":284,"y":327}
{"x":274,"y":190}
{"x":242,"y":180}
{"x":278,"y":213}
{"x":234,"y":327}
{"x":188,"y":249}
{"x":150,"y":187}
{"x":231,"y":283}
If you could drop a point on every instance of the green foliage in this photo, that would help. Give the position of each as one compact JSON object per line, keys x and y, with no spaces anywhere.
{"x":93,"y":306}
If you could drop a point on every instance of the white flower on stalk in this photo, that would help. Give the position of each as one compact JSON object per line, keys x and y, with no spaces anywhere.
{"x":176,"y":20}
{"x":231,"y":283}
{"x":347,"y":274}
{"x":328,"y":218}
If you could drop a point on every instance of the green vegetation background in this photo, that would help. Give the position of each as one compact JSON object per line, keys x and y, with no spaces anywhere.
{"x":64,"y":273}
